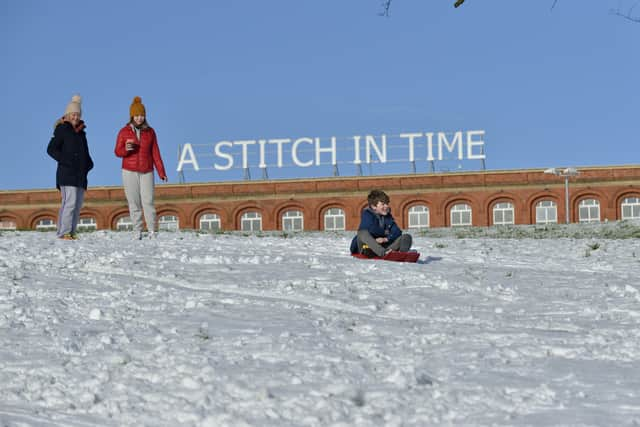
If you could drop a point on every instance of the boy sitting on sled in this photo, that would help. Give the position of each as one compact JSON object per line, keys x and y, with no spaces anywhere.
{"x":378,"y":233}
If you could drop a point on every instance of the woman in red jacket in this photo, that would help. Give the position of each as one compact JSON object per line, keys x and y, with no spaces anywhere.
{"x":138,"y":147}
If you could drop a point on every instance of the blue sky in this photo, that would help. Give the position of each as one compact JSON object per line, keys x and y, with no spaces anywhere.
{"x":549,"y":87}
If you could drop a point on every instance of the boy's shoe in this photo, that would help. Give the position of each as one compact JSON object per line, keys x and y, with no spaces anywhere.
{"x":153,"y":234}
{"x":67,"y":236}
{"x":74,"y":236}
{"x":367,"y":251}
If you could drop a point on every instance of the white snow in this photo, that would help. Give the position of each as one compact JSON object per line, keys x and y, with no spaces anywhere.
{"x":234,"y":330}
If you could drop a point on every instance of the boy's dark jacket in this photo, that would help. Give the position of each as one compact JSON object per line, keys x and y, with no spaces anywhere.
{"x":70,"y":149}
{"x":378,"y":226}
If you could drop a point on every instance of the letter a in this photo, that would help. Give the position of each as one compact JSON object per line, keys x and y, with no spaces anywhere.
{"x":192,"y":158}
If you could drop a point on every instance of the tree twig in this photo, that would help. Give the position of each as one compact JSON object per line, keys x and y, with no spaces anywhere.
{"x":386,"y":4}
{"x":629,"y":15}
{"x":626,"y":16}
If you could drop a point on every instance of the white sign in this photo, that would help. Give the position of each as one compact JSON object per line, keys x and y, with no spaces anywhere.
{"x":308,"y":152}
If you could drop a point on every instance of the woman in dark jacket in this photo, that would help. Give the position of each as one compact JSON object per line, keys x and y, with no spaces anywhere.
{"x":70,"y":149}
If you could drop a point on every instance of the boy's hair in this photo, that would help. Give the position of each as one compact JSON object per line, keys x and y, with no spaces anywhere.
{"x":376,"y":196}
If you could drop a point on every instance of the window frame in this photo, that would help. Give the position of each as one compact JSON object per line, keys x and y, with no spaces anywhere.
{"x":216,"y":219}
{"x":8,"y":224}
{"x":87,"y":227}
{"x":503,"y":210}
{"x":412,"y":214}
{"x":167,"y":225}
{"x":50,"y":227}
{"x":244,"y":218}
{"x":540,"y":207}
{"x":459,"y":210}
{"x":334,"y":217}
{"x":632,"y":204}
{"x":292,"y":216}
{"x":124,"y":223}
{"x":582,"y":205}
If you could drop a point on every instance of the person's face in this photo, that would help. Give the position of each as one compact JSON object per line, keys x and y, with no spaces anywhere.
{"x":138,"y":120}
{"x":73,"y":118}
{"x":381,"y":208}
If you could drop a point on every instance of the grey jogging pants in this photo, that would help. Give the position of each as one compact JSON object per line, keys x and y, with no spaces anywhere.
{"x":69,"y":215}
{"x":139,"y":189}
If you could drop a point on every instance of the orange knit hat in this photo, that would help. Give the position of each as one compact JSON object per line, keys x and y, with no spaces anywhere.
{"x":137,"y":108}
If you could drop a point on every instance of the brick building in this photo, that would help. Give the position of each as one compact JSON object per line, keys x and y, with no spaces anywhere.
{"x":417,"y":201}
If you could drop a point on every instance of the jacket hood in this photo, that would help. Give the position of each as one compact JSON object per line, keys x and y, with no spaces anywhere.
{"x":80,"y":127}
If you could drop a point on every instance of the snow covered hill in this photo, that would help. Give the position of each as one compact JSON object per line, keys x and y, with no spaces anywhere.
{"x":234,"y":330}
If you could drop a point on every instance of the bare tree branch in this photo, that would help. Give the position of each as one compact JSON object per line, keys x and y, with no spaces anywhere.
{"x":628,"y":15}
{"x":386,"y":4}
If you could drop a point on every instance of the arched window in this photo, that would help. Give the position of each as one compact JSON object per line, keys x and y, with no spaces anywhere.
{"x":168,"y":223}
{"x":546,"y":212}
{"x":334,"y":219}
{"x":251,"y":221}
{"x":87,"y":224}
{"x":589,"y":210}
{"x":630,"y":208}
{"x":209,"y":222}
{"x":460,"y":215}
{"x":292,"y":221}
{"x":7,"y":224}
{"x":46,"y":224}
{"x":124,"y":223}
{"x":503,"y":213}
{"x":418,"y":217}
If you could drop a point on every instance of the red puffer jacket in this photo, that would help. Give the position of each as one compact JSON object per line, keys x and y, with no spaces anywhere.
{"x":145,"y":156}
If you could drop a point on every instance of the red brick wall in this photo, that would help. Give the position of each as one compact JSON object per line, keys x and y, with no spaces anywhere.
{"x":481,"y":190}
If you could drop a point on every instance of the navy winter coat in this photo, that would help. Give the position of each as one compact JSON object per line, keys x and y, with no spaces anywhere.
{"x":378,"y":226}
{"x":69,"y":148}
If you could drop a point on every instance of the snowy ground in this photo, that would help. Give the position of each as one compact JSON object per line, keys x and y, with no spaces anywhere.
{"x":232,"y":330}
